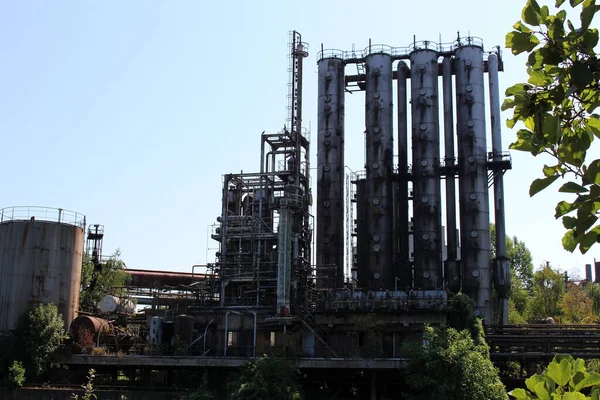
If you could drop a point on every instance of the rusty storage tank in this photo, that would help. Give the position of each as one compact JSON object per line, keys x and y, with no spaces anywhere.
{"x":41,"y":252}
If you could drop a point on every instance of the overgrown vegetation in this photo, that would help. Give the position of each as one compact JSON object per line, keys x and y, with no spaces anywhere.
{"x":39,"y":335}
{"x":97,"y":283}
{"x":564,"y":378}
{"x":557,"y":109}
{"x":266,"y":379}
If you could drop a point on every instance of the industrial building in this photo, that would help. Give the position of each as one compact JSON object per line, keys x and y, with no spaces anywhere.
{"x":384,"y":262}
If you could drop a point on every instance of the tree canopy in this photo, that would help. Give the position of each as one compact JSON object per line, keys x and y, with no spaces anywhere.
{"x":557,"y":108}
{"x":266,"y":379}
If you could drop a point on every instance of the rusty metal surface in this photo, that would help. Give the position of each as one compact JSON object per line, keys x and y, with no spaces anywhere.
{"x":40,"y":262}
{"x":92,"y":325}
{"x":157,"y":279}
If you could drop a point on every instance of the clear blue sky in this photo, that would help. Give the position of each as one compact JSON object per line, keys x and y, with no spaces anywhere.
{"x":131,"y":111}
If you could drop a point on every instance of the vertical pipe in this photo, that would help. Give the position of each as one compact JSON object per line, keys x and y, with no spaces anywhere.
{"x":226,"y":335}
{"x":452,"y":271}
{"x":362,"y":237}
{"x":330,"y":165}
{"x":427,"y":215}
{"x":473,"y":179}
{"x":403,"y":273}
{"x":501,"y":262}
{"x":379,"y":168}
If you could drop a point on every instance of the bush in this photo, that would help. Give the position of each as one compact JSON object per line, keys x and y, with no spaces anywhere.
{"x":16,"y":374}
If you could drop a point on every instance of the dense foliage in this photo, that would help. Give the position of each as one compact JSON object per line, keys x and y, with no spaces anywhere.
{"x":266,"y":379}
{"x":564,"y":378}
{"x":96,"y":284}
{"x":41,"y":334}
{"x":557,"y":107}
{"x":16,"y":374}
{"x":451,"y":365}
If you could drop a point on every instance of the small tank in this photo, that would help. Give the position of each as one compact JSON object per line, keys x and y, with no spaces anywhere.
{"x":112,"y":304}
{"x":85,"y":325}
{"x":156,"y":331}
{"x":108,"y":304}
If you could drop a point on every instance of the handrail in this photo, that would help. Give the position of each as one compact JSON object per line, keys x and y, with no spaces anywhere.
{"x":50,"y":214}
{"x":402,"y":51}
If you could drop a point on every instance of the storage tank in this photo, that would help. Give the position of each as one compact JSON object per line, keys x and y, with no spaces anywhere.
{"x":111,"y":304}
{"x":41,"y":252}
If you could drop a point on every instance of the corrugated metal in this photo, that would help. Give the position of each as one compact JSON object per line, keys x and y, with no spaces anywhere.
{"x":40,"y":262}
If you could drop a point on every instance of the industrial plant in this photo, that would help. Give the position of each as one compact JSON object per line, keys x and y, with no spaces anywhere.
{"x":336,"y":277}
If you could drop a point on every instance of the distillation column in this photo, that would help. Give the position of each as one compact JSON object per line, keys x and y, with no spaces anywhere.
{"x":379,"y":172}
{"x":404,"y":269}
{"x":473,"y":179}
{"x":501,"y":262}
{"x":451,"y":265}
{"x":427,"y":215}
{"x":330,"y":178}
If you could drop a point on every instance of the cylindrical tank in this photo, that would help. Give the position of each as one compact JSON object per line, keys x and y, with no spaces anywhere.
{"x":597,"y":271}
{"x":588,"y":272}
{"x":330,"y":177}
{"x":427,"y":213}
{"x":362,"y":238}
{"x":112,"y":304}
{"x":41,"y":252}
{"x":109,"y":304}
{"x":473,"y":179}
{"x":85,"y":325}
{"x":155,"y":335}
{"x":379,"y":143}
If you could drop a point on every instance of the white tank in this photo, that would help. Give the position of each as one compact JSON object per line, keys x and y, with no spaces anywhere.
{"x":127,"y":306}
{"x":108,"y":304}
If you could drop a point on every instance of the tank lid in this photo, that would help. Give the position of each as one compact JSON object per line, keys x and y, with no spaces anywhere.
{"x":37,"y":213}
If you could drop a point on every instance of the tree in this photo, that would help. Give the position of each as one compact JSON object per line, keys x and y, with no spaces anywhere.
{"x":521,"y":261}
{"x":564,"y":378}
{"x":557,"y":107}
{"x":451,"y":365}
{"x":41,"y":334}
{"x":576,"y":306}
{"x":266,"y":379}
{"x":97,"y":284}
{"x":548,"y":289}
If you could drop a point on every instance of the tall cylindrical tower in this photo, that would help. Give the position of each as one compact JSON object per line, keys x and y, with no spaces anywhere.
{"x":330,"y":163}
{"x":379,"y":169}
{"x":41,"y":252}
{"x":426,"y":162}
{"x":404,"y":270}
{"x":473,"y":178}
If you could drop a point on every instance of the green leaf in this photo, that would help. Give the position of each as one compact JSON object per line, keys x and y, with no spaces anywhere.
{"x":573,"y":396}
{"x":593,"y":125}
{"x":559,"y":3}
{"x":540,"y":184}
{"x":589,"y":239}
{"x":552,"y":170}
{"x":579,"y":365}
{"x":591,"y":379}
{"x":572,"y":187}
{"x":581,"y":76}
{"x":507,"y":104}
{"x":521,"y":27}
{"x":551,"y":128}
{"x":541,"y":391}
{"x":519,"y":394}
{"x":537,"y":77}
{"x":519,"y":42}
{"x":569,"y":222}
{"x":531,"y":13}
{"x":575,"y":2}
{"x":568,"y":241}
{"x":587,"y":14}
{"x":592,"y":173}
{"x":532,"y":381}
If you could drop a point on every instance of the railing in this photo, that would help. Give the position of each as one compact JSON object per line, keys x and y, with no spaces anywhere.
{"x":26,"y":213}
{"x":402,"y":51}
